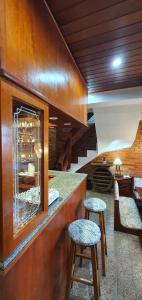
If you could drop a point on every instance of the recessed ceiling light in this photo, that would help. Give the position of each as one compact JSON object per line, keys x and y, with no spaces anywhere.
{"x":53,"y":118}
{"x":117,"y":62}
{"x":67,"y":124}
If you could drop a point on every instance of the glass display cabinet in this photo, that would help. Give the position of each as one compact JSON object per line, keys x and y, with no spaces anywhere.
{"x":24,"y":166}
{"x":27,"y":163}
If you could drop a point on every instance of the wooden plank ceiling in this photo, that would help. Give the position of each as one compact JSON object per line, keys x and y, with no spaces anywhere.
{"x":98,"y":32}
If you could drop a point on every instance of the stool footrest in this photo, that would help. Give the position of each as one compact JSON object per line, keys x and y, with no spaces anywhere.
{"x":83,"y":255}
{"x":82,"y":280}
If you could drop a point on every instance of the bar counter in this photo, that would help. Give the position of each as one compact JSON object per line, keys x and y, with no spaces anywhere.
{"x":41,"y":259}
{"x":65,"y":183}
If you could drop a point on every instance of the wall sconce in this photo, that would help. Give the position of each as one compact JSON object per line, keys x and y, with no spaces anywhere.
{"x":117,"y":163}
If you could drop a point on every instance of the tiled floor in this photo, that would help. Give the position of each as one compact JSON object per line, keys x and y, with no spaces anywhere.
{"x":124,"y":264}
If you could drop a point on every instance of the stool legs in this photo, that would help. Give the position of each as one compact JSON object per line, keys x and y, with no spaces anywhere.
{"x":103,"y":239}
{"x":95,"y":272}
{"x":70,"y":272}
{"x":104,"y":232}
{"x":103,"y":247}
{"x":81,"y":248}
{"x":70,"y":269}
{"x":73,"y":262}
{"x":81,"y":251}
{"x":86,"y":214}
{"x":98,"y":269}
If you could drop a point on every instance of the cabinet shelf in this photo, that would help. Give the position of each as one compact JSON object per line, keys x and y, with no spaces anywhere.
{"x":26,"y":161}
{"x":22,"y":219}
{"x":26,"y":175}
{"x":26,"y":143}
{"x":25,"y":138}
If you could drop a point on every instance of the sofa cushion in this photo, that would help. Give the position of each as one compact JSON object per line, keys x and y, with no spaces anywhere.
{"x":116,"y":190}
{"x":137,"y":195}
{"x":137,"y":182}
{"x":129,"y":214}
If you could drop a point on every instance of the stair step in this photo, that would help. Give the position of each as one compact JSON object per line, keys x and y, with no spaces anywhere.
{"x":74,"y":168}
{"x":91,"y":154}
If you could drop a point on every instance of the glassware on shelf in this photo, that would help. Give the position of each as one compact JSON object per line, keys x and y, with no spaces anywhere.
{"x":31,"y":169}
{"x":38,"y":150}
{"x":27,"y":164}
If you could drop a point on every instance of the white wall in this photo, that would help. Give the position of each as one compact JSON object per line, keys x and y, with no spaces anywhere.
{"x":117,"y":116}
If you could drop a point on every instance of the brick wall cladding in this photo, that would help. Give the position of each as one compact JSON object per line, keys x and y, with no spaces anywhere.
{"x":130,"y":157}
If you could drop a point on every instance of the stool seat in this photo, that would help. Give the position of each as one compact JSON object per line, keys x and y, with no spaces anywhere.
{"x":84,"y":232}
{"x":95,"y":205}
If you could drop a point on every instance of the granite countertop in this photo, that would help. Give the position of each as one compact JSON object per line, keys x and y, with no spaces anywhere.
{"x":65,"y":183}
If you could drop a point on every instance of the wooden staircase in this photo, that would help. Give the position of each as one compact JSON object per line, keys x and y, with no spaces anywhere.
{"x":86,"y":141}
{"x":76,"y":148}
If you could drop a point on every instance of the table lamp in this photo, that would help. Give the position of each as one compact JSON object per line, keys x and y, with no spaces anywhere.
{"x":117,"y":163}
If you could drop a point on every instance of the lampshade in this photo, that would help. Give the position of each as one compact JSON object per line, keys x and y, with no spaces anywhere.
{"x":117,"y":162}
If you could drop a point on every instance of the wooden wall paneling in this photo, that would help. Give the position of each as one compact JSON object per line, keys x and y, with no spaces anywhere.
{"x":62,"y":5}
{"x":106,"y":37}
{"x":40,"y":273}
{"x":63,"y":117}
{"x":1,"y":205}
{"x":6,"y":172}
{"x":1,"y":285}
{"x":35,"y":53}
{"x":99,"y":29}
{"x":78,"y":9}
{"x":136,"y":55}
{"x":120,"y":42}
{"x":9,"y":241}
{"x":130,"y":66}
{"x":119,"y":85}
{"x":97,"y":33}
{"x":110,"y":81}
{"x":135,"y":73}
{"x":128,"y":50}
{"x":101,"y":16}
{"x":2,"y":31}
{"x":116,"y":80}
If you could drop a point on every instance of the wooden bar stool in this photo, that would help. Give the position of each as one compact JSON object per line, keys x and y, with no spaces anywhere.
{"x":98,"y":206}
{"x":84,"y":233}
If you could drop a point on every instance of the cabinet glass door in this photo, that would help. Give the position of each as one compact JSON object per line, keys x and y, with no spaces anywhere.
{"x":27,"y":163}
